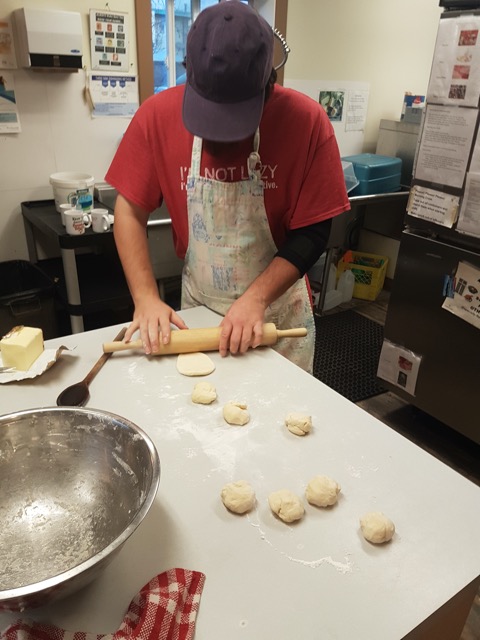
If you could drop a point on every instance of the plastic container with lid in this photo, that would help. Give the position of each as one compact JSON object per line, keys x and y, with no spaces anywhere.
{"x":73,"y":188}
{"x":375,"y":173}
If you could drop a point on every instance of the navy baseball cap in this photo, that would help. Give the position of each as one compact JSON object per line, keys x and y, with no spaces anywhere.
{"x":229,"y":60}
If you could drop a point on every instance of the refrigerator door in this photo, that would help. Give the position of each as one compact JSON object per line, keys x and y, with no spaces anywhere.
{"x":448,"y":383}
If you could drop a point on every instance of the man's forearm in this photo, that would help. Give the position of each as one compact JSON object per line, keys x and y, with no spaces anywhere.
{"x":277,"y":278}
{"x":132,"y":246}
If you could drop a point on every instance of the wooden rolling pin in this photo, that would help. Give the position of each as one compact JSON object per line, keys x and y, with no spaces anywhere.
{"x":191,"y":340}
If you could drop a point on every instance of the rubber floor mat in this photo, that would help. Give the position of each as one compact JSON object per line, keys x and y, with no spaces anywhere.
{"x":347,"y":350}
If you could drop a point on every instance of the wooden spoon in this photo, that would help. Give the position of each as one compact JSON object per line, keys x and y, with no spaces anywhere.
{"x":76,"y":395}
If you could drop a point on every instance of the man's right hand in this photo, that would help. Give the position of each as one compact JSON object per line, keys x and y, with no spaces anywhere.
{"x":153,"y":317}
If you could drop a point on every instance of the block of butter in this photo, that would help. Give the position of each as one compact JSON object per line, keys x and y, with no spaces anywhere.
{"x":21,"y":347}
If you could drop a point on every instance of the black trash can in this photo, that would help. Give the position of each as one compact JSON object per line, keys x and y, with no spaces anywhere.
{"x":27,"y":297}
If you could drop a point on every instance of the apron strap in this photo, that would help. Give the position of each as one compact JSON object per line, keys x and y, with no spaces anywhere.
{"x":254,"y":158}
{"x":252,"y":162}
{"x":196,"y":157}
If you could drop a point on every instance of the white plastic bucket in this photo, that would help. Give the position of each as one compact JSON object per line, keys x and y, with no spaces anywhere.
{"x":73,"y":188}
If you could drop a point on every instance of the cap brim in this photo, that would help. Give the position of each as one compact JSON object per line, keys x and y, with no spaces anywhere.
{"x":221,"y":122}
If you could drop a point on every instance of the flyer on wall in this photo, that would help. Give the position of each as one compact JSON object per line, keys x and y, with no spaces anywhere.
{"x":434,"y":206}
{"x":7,"y":47}
{"x":109,"y":45}
{"x":455,"y":76}
{"x":446,"y":144}
{"x":399,"y":366}
{"x":113,"y":95}
{"x":465,"y":302}
{"x":469,"y":219}
{"x":9,"y":118}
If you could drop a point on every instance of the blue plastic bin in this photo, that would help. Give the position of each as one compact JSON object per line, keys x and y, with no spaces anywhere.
{"x":375,"y":173}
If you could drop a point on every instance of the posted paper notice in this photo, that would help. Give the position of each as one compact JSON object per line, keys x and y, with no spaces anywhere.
{"x":9,"y":118}
{"x":445,"y":145}
{"x":399,"y":366}
{"x":455,"y":75}
{"x":469,"y":219}
{"x":109,"y":45}
{"x":113,"y":95}
{"x":357,"y":105}
{"x":7,"y":48}
{"x":434,"y":206}
{"x":466,"y":299}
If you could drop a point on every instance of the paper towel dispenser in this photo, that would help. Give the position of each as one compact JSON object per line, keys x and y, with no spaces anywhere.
{"x":49,"y":39}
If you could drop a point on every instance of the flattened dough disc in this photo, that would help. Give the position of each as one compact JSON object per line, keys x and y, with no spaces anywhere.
{"x":194,"y":364}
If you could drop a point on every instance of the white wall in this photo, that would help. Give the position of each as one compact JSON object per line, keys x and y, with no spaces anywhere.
{"x":58,"y":132}
{"x":387,"y":43}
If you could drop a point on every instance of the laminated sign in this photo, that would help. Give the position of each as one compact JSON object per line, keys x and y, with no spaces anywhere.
{"x":399,"y":366}
{"x":109,"y":40}
{"x":465,"y":301}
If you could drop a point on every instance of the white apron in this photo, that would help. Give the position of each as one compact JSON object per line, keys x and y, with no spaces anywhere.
{"x":230,"y":244}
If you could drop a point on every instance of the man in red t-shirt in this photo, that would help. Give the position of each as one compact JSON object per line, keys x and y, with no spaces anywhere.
{"x":251,"y":176}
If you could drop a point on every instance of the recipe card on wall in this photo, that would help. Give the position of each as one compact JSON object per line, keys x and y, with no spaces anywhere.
{"x":109,"y":46}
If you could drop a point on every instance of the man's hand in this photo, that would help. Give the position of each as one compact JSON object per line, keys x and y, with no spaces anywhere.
{"x":243,"y":323}
{"x":153,"y":317}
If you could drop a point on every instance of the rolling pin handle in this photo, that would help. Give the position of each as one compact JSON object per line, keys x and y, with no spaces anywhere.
{"x":300,"y":332}
{"x":112,"y":347}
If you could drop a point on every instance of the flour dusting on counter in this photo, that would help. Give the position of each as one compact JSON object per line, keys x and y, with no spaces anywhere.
{"x":341,"y":567}
{"x":353,"y":471}
{"x":356,"y":471}
{"x":135,"y":375}
{"x":216,"y":440}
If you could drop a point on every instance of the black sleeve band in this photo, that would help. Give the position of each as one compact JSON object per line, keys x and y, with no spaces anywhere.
{"x":304,"y":246}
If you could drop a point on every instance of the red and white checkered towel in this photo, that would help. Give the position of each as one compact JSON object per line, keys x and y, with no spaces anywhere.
{"x":164,"y":609}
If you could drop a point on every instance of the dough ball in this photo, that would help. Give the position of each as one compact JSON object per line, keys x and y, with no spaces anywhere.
{"x":376,"y":527}
{"x":204,"y":393}
{"x":298,"y":423}
{"x":236,"y":413}
{"x":238,"y":497}
{"x":286,"y":505}
{"x":195,"y":364}
{"x":322,"y":491}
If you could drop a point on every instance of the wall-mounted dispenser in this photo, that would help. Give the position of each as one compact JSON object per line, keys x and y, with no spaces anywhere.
{"x":49,"y":39}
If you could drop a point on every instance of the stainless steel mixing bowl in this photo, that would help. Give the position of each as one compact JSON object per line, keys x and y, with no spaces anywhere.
{"x":75,"y":484}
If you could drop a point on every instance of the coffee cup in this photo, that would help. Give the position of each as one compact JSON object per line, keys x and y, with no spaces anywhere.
{"x":76,"y":222}
{"x":100,"y":220}
{"x":63,"y":208}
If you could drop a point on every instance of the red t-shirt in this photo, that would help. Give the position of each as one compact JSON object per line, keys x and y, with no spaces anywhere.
{"x":301,"y":167}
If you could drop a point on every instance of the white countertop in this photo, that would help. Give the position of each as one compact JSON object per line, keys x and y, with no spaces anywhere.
{"x":265,"y":579}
